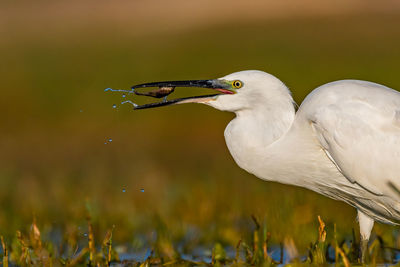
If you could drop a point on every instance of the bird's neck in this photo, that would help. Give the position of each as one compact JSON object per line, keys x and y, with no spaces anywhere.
{"x":249,"y":135}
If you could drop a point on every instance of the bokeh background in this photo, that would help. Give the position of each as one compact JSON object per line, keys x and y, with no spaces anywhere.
{"x":167,"y":171}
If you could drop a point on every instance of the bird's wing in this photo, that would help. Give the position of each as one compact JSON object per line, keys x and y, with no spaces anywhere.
{"x":361,"y":135}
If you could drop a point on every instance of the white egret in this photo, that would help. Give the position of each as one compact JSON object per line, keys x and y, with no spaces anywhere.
{"x":343,"y":142}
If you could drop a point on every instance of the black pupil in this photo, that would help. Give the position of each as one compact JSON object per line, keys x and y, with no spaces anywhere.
{"x":237,"y":84}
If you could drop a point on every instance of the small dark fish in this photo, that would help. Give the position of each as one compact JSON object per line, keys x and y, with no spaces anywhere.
{"x":158,"y":93}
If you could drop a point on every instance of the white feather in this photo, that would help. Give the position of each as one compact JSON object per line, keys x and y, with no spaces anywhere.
{"x":343,"y":142}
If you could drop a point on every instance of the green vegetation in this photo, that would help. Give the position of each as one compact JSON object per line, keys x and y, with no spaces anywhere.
{"x":57,"y":171}
{"x":29,"y":250}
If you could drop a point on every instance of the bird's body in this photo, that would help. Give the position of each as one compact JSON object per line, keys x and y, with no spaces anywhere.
{"x":343,"y":141}
{"x":356,"y":124}
{"x":300,"y":149}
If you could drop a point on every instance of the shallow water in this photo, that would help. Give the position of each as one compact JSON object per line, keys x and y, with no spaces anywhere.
{"x":199,"y":255}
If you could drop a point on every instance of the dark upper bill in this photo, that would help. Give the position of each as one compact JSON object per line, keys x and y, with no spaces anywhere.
{"x":218,"y":85}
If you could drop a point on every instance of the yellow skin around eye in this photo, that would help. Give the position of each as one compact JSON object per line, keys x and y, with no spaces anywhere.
{"x":237,"y":84}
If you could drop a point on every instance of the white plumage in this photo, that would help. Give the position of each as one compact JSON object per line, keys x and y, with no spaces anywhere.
{"x":343,"y":142}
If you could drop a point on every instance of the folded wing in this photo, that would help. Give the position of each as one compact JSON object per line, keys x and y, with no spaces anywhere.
{"x":358,"y":126}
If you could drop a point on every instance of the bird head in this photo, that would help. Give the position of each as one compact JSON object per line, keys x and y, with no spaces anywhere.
{"x":234,"y":92}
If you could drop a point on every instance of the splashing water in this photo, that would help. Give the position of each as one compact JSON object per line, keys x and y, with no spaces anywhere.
{"x":123,"y":96}
{"x":119,"y":90}
{"x":130,"y":102}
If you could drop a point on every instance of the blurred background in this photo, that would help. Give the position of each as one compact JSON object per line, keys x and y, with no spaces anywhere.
{"x":66,"y":153}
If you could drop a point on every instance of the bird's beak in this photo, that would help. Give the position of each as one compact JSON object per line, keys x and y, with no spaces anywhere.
{"x":166,"y":88}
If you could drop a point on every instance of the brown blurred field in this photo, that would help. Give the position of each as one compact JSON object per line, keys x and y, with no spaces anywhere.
{"x":57,"y":59}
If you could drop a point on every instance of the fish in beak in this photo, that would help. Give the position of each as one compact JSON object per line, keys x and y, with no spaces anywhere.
{"x":167,"y":88}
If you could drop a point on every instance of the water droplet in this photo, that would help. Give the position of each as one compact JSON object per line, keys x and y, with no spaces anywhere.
{"x":130,"y":102}
{"x":123,"y":190}
{"x":117,"y":90}
{"x":142,"y":190}
{"x":115,"y":106}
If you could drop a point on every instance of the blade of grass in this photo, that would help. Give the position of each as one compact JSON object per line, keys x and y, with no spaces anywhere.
{"x":5,"y":252}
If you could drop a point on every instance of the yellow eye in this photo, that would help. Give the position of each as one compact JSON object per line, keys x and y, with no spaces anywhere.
{"x":237,"y":84}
